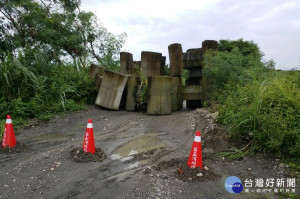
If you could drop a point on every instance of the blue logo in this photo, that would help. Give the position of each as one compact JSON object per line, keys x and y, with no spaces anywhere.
{"x":233,"y":184}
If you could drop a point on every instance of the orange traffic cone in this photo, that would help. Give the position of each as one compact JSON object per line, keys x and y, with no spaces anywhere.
{"x":195,"y":159}
{"x":89,"y":142}
{"x":9,"y":138}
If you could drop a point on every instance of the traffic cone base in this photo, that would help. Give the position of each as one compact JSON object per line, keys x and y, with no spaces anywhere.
{"x":9,"y":138}
{"x":89,"y":141}
{"x":195,"y":158}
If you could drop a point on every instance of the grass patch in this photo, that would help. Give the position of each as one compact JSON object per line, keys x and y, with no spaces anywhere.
{"x":235,"y":154}
{"x":289,"y":195}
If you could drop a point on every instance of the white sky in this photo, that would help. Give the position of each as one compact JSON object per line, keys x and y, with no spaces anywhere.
{"x":153,"y":25}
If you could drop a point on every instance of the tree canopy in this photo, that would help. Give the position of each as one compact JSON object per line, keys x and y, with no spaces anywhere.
{"x":56,"y":28}
{"x":247,"y":48}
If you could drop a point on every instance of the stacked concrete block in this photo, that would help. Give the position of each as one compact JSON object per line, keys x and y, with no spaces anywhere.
{"x":176,"y":71}
{"x":193,"y":62}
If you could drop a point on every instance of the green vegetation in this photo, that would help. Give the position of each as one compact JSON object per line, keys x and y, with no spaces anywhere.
{"x":184,"y":76}
{"x":28,"y":92}
{"x":233,"y":153}
{"x":257,"y":103}
{"x":290,"y":195}
{"x":57,"y":29}
{"x":295,"y":166}
{"x":45,"y":50}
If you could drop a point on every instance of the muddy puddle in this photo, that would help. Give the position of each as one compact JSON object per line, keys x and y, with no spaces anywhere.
{"x":142,"y":144}
{"x":138,"y":151}
{"x":53,"y":137}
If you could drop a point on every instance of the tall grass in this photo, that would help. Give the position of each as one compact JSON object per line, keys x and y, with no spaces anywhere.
{"x":267,"y":112}
{"x":32,"y":88}
{"x":258,"y":104}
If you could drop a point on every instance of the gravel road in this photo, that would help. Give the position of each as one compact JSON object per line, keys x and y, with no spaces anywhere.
{"x":143,"y":154}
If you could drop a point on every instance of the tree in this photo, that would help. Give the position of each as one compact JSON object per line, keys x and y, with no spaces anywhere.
{"x":56,"y":28}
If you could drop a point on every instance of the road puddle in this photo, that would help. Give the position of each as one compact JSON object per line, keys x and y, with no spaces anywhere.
{"x":132,"y":166}
{"x":138,"y":145}
{"x":136,"y":154}
{"x":51,"y":137}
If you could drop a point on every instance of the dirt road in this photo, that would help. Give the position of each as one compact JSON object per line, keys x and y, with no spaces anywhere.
{"x":143,"y":155}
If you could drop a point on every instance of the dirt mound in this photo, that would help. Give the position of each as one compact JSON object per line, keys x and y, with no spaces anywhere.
{"x":163,"y":165}
{"x":183,"y":172}
{"x":78,"y":155}
{"x":186,"y":174}
{"x":144,"y":155}
{"x":16,"y":149}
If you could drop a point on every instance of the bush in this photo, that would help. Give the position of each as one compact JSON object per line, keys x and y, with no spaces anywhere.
{"x":267,"y":112}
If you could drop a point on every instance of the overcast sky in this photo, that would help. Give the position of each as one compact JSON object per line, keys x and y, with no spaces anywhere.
{"x":153,"y":25}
